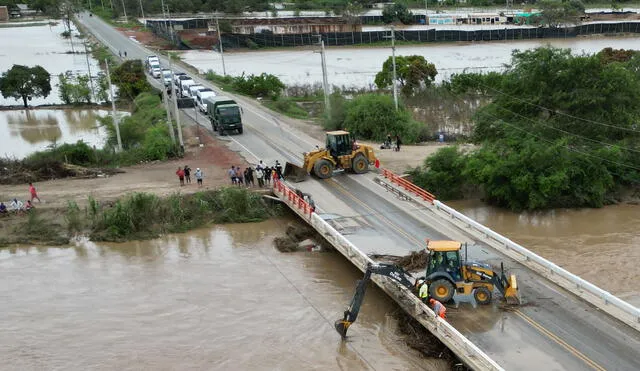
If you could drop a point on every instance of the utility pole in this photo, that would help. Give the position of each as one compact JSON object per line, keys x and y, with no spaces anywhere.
{"x":325,"y":81}
{"x":164,"y":16}
{"x":175,"y":107}
{"x":124,"y":10}
{"x":165,"y":96}
{"x":86,"y":54}
{"x":113,"y":107}
{"x":393,"y":54}
{"x":142,"y":11}
{"x":170,"y":25}
{"x":224,"y":70}
{"x":426,"y":15}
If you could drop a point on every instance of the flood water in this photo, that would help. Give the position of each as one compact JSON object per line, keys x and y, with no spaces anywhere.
{"x":357,"y":67}
{"x":27,"y":131}
{"x":44,"y":46}
{"x":599,"y":245}
{"x":220,"y":298}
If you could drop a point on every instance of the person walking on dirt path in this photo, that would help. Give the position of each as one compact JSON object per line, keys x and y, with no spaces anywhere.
{"x":125,"y":54}
{"x":3,"y":208}
{"x":278,"y":169}
{"x":232,"y":175}
{"x":199,"y":175}
{"x":267,"y":175}
{"x":250,"y":177}
{"x":32,"y":191}
{"x":398,"y":143}
{"x":438,"y":308}
{"x":187,"y":174}
{"x":120,"y":53}
{"x":180,"y":174}
{"x":239,"y":176}
{"x":260,"y":176}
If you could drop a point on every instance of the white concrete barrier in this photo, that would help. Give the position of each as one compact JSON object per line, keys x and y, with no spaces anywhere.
{"x":468,"y":352}
{"x":611,"y":304}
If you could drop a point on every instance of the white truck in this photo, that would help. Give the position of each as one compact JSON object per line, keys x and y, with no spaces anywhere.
{"x":193,"y":89}
{"x":202,"y":96}
{"x":166,"y":77}
{"x":153,"y":65}
{"x":184,"y":87}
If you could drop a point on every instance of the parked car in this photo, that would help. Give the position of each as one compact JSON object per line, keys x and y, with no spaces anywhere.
{"x":202,"y":96}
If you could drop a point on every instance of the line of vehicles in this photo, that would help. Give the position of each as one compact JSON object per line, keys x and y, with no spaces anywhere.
{"x":224,"y":113}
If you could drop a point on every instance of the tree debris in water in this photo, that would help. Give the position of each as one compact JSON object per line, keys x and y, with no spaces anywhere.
{"x":420,"y":339}
{"x":417,"y":260}
{"x":301,"y":237}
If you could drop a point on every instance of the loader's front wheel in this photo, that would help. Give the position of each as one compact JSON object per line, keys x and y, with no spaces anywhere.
{"x":323,"y":169}
{"x":359,"y":164}
{"x":441,"y":290}
{"x":482,"y":295}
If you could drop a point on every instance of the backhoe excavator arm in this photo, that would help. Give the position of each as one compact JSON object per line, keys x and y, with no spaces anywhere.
{"x":388,"y":270}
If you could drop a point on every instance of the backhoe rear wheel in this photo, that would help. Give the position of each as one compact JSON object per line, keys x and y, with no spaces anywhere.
{"x":323,"y":169}
{"x":482,"y":295}
{"x":441,"y":290}
{"x":359,"y":164}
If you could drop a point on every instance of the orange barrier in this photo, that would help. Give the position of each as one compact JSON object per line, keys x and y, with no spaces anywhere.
{"x":291,"y":197}
{"x":408,"y":186}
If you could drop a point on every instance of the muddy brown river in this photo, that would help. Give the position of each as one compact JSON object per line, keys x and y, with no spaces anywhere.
{"x":220,"y":298}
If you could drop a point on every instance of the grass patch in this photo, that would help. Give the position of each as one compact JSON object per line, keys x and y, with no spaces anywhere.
{"x":143,"y":215}
{"x":288,"y":107}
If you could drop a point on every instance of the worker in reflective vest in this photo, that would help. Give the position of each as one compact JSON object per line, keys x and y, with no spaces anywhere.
{"x":438,"y":308}
{"x":423,"y":290}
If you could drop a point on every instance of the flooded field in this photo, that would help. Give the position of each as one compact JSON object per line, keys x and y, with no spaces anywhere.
{"x":27,"y":131}
{"x":356,"y":67}
{"x":214,"y":299}
{"x":44,"y":46}
{"x":600,"y":245}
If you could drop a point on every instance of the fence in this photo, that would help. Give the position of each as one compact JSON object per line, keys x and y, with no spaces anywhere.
{"x":432,"y":35}
{"x":468,"y":352}
{"x":598,"y":297}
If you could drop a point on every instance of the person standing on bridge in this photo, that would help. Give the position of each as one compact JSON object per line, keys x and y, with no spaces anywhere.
{"x":260,"y":176}
{"x":438,"y":308}
{"x":278,"y":169}
{"x":423,"y":290}
{"x":267,"y":175}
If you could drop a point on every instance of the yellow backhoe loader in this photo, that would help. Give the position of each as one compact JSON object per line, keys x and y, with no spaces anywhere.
{"x":445,"y":273}
{"x":340,"y":153}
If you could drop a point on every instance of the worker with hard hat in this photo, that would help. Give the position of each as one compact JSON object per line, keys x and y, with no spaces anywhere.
{"x":423,"y":290}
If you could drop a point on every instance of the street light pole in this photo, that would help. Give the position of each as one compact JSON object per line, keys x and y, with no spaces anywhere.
{"x":224,"y":69}
{"x":113,"y":107}
{"x":325,"y":81}
{"x":142,"y":11}
{"x":175,"y":108}
{"x":393,"y":56}
{"x":124,"y":10}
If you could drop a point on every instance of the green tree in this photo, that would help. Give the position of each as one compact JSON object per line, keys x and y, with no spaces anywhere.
{"x":558,"y":12}
{"x":130,"y":79}
{"x":441,"y":174}
{"x":373,"y":116}
{"x":64,"y":89}
{"x":25,"y":82}
{"x":413,"y":73}
{"x":397,"y":12}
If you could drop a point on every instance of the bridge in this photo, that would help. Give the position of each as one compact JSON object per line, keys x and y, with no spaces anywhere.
{"x":564,"y":324}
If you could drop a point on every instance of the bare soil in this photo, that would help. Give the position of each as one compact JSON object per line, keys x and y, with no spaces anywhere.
{"x":214,"y":158}
{"x":146,"y":38}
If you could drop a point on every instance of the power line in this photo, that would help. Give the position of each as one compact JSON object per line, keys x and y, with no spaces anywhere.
{"x":559,"y":112}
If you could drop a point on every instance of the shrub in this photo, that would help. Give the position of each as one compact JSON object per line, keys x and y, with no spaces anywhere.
{"x":441,"y":174}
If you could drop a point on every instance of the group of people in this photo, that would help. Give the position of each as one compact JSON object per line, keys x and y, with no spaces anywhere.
{"x":18,"y":206}
{"x":184,"y":175}
{"x":389,"y":143}
{"x":422,"y":288}
{"x":262,"y":174}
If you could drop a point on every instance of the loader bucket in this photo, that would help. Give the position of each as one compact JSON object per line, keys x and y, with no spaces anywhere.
{"x":342,"y":326}
{"x":294,"y":173}
{"x":511,"y":293}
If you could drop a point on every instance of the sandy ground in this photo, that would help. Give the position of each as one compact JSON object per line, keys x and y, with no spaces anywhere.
{"x":214,"y":158}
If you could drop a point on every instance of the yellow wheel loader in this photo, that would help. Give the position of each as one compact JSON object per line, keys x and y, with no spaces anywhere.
{"x":339,"y":153}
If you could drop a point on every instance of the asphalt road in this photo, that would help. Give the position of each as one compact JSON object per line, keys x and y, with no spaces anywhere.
{"x":553,"y":330}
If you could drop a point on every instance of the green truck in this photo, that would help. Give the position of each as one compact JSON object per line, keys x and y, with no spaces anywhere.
{"x":224,"y":114}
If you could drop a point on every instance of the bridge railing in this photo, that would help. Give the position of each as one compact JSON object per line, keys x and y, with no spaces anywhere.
{"x":604,"y":298}
{"x":466,"y":350}
{"x":402,"y":182}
